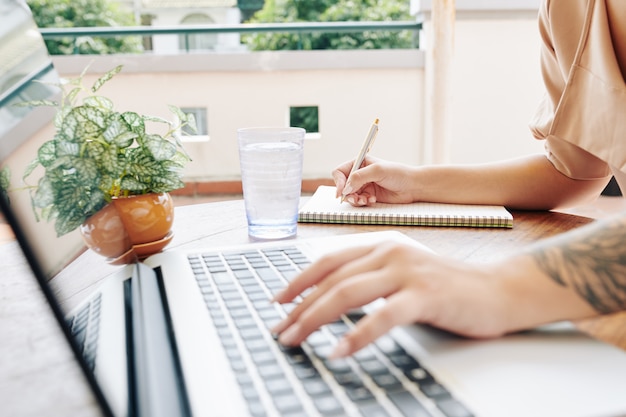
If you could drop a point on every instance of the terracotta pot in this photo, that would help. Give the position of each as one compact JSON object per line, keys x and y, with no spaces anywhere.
{"x":130,"y":228}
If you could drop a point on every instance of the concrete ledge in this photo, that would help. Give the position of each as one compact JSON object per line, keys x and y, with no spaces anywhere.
{"x":244,"y":61}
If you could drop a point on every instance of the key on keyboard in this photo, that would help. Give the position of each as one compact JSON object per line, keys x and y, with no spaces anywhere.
{"x":84,"y":327}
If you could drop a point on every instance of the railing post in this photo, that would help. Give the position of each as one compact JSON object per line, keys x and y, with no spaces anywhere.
{"x":438,"y":81}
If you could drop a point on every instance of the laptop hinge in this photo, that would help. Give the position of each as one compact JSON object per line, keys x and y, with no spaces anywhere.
{"x":157,"y":385}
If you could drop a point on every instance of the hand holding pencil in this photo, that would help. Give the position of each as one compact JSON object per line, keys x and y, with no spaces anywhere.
{"x":367,"y":180}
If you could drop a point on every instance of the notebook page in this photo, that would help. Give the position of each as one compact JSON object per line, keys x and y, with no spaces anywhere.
{"x":323,"y":207}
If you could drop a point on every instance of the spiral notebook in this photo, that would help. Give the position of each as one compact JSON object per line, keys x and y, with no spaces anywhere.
{"x":324,"y":207}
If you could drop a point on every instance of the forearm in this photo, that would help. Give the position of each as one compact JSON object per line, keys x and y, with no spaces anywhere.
{"x":572,"y":276}
{"x":591,"y":261}
{"x":530,"y":182}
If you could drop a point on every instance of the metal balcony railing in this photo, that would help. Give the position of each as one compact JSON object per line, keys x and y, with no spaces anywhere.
{"x":307,"y":27}
{"x":186,"y":30}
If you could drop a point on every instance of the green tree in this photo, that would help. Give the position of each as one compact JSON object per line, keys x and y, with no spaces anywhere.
{"x":278,"y":11}
{"x":85,"y":13}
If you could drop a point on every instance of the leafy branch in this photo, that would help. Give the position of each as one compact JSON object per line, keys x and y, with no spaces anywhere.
{"x":98,"y":154}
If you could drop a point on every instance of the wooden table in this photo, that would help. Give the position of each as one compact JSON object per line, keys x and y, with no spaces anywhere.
{"x":37,"y":372}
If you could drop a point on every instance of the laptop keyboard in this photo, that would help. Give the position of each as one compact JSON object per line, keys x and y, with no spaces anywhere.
{"x":84,"y":326}
{"x":379,"y":380}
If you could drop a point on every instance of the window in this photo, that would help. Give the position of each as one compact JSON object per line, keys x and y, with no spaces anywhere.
{"x":306,"y":117}
{"x":200,"y":41}
{"x":202,"y":124}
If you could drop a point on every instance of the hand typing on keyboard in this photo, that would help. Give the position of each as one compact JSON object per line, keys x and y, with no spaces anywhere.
{"x":381,"y":380}
{"x":420,"y":287}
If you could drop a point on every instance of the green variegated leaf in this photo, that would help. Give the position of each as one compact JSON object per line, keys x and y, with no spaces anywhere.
{"x":157,"y":119}
{"x":47,"y":213}
{"x":99,"y":101}
{"x":106,"y":183}
{"x":69,"y":127}
{"x":125,"y":139}
{"x":182,"y":117}
{"x":56,"y":176}
{"x":160,"y":148}
{"x":180,"y":158}
{"x":135,"y":122}
{"x":166,"y":183}
{"x":92,"y":119}
{"x":134,"y":185}
{"x":118,"y":133}
{"x":47,"y":153}
{"x":71,"y":96}
{"x":94,"y":150}
{"x":172,"y":167}
{"x":44,"y":195}
{"x":87,"y":171}
{"x":37,"y":103}
{"x":62,"y":162}
{"x":106,"y":77}
{"x":5,"y":178}
{"x":141,"y":164}
{"x":115,"y":127}
{"x":191,"y":123}
{"x":64,"y":148}
{"x":59,"y":117}
{"x":68,"y":221}
{"x":112,"y":163}
{"x":32,"y":165}
{"x":96,"y":203}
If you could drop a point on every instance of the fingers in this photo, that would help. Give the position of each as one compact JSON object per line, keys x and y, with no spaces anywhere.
{"x":353,"y":278}
{"x":345,"y":185}
{"x":360,"y":200}
{"x":323,"y":274}
{"x":340,"y":175}
{"x":400,"y":308}
{"x":318,"y":271}
{"x":328,"y":304}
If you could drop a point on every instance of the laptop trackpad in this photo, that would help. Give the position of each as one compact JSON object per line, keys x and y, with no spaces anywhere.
{"x":543,"y":372}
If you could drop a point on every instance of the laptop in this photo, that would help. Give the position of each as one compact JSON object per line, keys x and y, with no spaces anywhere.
{"x":186,"y":333}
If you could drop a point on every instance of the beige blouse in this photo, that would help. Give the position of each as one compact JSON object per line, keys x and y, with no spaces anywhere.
{"x":583,"y":116}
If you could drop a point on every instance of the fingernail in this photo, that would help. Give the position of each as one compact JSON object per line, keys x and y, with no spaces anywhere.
{"x":277,"y":296}
{"x":371,"y":199}
{"x":341,"y":350}
{"x":289,"y":336}
{"x":347,"y":189}
{"x":279,"y":327}
{"x":351,"y":200}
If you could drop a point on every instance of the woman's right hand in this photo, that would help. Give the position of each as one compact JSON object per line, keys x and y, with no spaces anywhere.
{"x":376,"y":181}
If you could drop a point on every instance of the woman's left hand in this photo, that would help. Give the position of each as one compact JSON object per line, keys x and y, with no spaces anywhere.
{"x":418,"y":285}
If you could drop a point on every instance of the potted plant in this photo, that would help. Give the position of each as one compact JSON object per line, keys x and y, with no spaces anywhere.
{"x":99,"y":161}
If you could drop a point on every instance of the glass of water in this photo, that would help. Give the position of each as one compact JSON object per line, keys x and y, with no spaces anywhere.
{"x":271,"y":174}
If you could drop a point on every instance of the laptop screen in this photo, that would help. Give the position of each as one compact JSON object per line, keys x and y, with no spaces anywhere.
{"x":27,"y":74}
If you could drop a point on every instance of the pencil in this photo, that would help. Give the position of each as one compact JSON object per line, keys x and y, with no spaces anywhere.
{"x":365,"y":148}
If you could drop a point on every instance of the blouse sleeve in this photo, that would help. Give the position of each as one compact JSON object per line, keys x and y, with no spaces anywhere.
{"x":558,"y":53}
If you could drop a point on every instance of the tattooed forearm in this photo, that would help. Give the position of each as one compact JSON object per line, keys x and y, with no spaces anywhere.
{"x":590,"y":260}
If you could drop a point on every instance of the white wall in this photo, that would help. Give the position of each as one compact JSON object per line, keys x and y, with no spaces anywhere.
{"x":351,"y":88}
{"x":496,"y":81}
{"x":496,"y":87}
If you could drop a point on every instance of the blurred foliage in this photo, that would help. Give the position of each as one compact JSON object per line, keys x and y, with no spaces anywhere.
{"x":85,"y":13}
{"x":305,"y":117}
{"x":278,"y":11}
